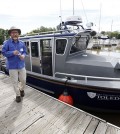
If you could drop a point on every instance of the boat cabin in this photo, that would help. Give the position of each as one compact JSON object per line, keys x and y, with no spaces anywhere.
{"x":64,"y":51}
{"x":47,"y":52}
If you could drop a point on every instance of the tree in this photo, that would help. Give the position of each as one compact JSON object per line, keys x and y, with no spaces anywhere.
{"x":118,"y":36}
{"x":42,"y":29}
{"x":103,"y":32}
{"x":3,"y":35}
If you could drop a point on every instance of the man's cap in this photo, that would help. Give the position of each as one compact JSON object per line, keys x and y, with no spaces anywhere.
{"x":14,"y":28}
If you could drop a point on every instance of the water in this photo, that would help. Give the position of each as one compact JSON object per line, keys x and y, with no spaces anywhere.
{"x":113,"y":51}
{"x":113,"y":118}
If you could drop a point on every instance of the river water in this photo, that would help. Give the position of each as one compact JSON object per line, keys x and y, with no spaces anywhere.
{"x":112,"y":51}
{"x":113,"y":118}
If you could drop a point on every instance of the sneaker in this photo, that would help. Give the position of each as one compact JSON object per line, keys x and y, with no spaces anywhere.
{"x":22,"y":93}
{"x":18,"y":99}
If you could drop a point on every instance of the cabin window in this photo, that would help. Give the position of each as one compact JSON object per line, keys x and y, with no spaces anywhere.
{"x":79,"y":44}
{"x":34,"y":49}
{"x":27,"y":47}
{"x":60,"y":46}
{"x":46,"y":45}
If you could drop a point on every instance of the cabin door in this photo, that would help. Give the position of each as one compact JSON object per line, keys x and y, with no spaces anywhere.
{"x":46,"y":56}
{"x":35,"y":56}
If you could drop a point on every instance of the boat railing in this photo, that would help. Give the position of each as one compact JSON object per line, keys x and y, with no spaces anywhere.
{"x":73,"y":76}
{"x":41,"y":33}
{"x":53,"y":32}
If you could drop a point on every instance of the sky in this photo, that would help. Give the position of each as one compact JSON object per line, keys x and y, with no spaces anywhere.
{"x":32,"y":14}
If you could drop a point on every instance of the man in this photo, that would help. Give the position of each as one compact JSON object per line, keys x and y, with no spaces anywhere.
{"x":15,"y":51}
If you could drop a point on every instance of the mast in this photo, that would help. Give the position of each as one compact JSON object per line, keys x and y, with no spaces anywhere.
{"x":99,"y":19}
{"x":111,"y":25}
{"x":73,"y":7}
{"x":84,"y":11}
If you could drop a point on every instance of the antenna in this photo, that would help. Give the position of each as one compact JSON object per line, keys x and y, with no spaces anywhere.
{"x":84,"y":11}
{"x":60,"y":13}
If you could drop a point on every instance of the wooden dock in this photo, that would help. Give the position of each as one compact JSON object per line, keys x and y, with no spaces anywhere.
{"x":39,"y":113}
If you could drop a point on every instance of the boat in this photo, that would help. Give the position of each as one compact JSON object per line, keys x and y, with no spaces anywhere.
{"x":58,"y":62}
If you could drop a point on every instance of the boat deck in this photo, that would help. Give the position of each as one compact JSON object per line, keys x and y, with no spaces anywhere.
{"x":39,"y":113}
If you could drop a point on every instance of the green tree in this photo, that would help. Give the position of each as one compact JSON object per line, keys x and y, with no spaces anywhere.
{"x":103,"y":32}
{"x":42,"y":29}
{"x":3,"y":35}
{"x":118,"y":37}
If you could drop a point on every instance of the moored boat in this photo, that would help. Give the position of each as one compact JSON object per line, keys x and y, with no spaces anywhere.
{"x":58,"y":60}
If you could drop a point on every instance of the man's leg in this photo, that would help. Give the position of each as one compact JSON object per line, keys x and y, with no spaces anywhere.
{"x":14,"y":78}
{"x":22,"y":79}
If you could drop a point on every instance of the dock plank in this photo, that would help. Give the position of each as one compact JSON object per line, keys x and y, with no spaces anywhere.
{"x":112,"y":130}
{"x":25,"y":114}
{"x":102,"y":127}
{"x":80,"y":129}
{"x":39,"y":113}
{"x":92,"y":126}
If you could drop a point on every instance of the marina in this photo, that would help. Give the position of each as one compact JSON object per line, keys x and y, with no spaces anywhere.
{"x":39,"y":113}
{"x":73,"y":69}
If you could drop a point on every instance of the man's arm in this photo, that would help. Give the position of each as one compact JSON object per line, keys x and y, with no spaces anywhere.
{"x":5,"y":50}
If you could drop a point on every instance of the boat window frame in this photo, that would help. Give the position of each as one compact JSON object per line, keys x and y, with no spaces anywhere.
{"x":50,"y":44}
{"x":65,"y":45}
{"x":79,"y":49}
{"x":37,"y":48}
{"x":27,"y":44}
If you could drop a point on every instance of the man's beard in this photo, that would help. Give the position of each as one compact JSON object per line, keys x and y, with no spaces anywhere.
{"x":15,"y":38}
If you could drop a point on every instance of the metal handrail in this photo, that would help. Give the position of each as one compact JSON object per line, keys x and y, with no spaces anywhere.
{"x":42,"y":33}
{"x":48,"y":32}
{"x":86,"y":77}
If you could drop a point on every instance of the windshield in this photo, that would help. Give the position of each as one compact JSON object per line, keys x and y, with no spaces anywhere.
{"x":79,"y":44}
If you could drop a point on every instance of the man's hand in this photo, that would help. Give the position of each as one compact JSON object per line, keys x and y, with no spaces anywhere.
{"x":16,"y":52}
{"x":22,"y":57}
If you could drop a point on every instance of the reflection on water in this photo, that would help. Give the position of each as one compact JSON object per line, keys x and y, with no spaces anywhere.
{"x":113,"y":51}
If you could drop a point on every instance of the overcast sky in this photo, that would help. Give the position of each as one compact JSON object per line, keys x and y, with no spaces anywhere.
{"x":31,"y":14}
